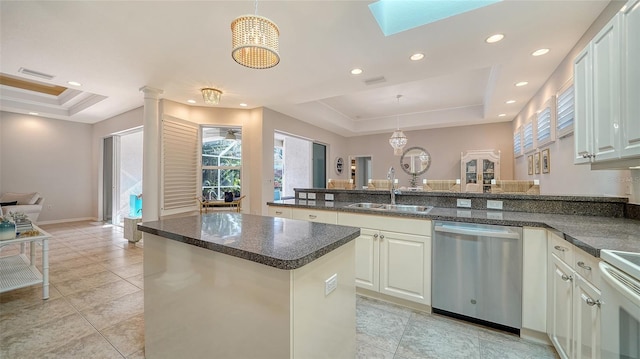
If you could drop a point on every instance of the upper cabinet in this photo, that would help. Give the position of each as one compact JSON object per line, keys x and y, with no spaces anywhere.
{"x":631,"y":80}
{"x":606,"y":85}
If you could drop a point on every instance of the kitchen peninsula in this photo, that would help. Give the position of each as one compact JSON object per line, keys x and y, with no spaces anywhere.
{"x":235,"y":285}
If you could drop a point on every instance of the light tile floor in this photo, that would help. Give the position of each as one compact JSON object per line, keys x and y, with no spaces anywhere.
{"x":95,"y":310}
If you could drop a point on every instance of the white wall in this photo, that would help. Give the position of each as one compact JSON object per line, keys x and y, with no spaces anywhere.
{"x":52,"y":157}
{"x":444,"y":145}
{"x":565,"y":177}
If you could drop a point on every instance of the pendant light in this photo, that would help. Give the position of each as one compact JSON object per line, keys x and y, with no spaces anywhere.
{"x":398,"y":140}
{"x":254,"y":41}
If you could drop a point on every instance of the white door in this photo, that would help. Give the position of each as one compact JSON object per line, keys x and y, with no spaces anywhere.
{"x":367,"y":249}
{"x":561,"y":290}
{"x":586,"y":319}
{"x":583,"y":126}
{"x":631,"y":80}
{"x":606,"y":91}
{"x":405,"y":266}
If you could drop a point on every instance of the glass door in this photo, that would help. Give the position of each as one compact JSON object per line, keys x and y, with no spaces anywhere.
{"x":488,"y":174}
{"x":471,"y":171}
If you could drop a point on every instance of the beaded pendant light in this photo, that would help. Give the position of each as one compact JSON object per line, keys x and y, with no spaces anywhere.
{"x":255,"y":41}
{"x":398,"y":140}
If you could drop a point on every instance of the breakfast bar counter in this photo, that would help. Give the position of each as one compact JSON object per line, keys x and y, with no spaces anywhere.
{"x":231,"y":285}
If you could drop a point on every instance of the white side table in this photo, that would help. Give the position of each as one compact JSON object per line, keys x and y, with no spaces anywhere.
{"x":18,"y":271}
{"x":131,"y":231}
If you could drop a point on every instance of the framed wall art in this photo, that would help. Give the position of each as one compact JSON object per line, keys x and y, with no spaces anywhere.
{"x":536,"y":163}
{"x":546,"y":161}
{"x":530,"y":164}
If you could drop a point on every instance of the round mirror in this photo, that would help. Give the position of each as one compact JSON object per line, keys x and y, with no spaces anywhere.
{"x":415,"y":161}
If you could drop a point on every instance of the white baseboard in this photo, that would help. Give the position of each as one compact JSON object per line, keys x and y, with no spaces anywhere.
{"x":66,"y":220}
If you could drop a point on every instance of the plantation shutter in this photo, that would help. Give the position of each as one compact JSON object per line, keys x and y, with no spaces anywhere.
{"x":544,"y":126}
{"x":528,"y":136}
{"x":179,"y":166}
{"x":565,"y":112}
{"x":517,"y":143}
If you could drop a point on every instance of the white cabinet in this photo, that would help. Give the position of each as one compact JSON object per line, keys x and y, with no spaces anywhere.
{"x":560,"y":313}
{"x":277,"y":211}
{"x":573,"y":316}
{"x":586,"y":319}
{"x":582,"y":84}
{"x":631,"y":79}
{"x":478,"y":168}
{"x":534,"y":282}
{"x":405,"y":266}
{"x":607,"y":88}
{"x":313,"y":215}
{"x":391,"y":262}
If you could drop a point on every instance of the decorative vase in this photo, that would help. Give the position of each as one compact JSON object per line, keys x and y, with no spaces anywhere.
{"x":7,"y":230}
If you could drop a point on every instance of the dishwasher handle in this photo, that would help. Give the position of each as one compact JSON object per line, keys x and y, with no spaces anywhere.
{"x":471,"y":231}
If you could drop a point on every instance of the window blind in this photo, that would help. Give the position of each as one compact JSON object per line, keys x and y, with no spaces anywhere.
{"x":565,"y":111}
{"x":517,"y":143}
{"x":179,"y":166}
{"x":528,"y":136}
{"x":543,"y":126}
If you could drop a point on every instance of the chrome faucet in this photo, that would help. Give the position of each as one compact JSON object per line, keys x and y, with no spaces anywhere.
{"x":391,"y":176}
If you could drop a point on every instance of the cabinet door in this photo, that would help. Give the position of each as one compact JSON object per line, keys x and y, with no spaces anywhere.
{"x":281,"y":212}
{"x":606,"y":91}
{"x":560,"y":297}
{"x":330,"y":217}
{"x":631,"y":79}
{"x":583,"y":125}
{"x":586,"y":320}
{"x":367,"y":254}
{"x":405,"y":266}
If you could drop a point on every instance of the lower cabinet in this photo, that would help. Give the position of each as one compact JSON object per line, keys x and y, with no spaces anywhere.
{"x":573,"y":305}
{"x":393,"y":263}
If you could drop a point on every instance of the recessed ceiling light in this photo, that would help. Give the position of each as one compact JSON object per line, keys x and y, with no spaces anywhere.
{"x":417,"y":56}
{"x":74,"y":83}
{"x":243,"y":105}
{"x":502,"y":115}
{"x":494,"y":38}
{"x":34,"y":113}
{"x":191,"y":101}
{"x":521,"y":83}
{"x":540,"y":52}
{"x":356,"y":71}
{"x":511,"y":101}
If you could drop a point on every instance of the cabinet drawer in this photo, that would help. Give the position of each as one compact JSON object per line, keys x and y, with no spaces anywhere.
{"x":561,"y":248}
{"x":311,"y":215}
{"x":279,"y":212}
{"x":587,"y":266}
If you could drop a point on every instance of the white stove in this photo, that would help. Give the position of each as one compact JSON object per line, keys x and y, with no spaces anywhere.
{"x":620,"y":304}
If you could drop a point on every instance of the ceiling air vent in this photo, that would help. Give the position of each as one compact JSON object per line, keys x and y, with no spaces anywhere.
{"x":375,"y":80}
{"x":41,"y":75}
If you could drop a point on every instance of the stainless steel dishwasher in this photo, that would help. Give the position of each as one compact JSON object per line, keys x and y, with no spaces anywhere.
{"x":477,"y":273}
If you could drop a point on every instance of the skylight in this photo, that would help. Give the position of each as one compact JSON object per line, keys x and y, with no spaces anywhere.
{"x":394,"y":16}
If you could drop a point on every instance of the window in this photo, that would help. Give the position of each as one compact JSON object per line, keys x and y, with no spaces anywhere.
{"x":221,"y":162}
{"x":545,"y":123}
{"x":565,"y":113}
{"x":527,"y":136}
{"x":517,"y":143}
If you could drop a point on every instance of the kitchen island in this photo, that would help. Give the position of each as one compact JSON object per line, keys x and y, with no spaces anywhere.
{"x":230,"y":285}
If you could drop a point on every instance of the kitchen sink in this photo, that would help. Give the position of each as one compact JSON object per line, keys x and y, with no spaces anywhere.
{"x":392,"y":207}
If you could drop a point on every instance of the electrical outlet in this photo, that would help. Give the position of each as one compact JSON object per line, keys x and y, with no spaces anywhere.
{"x":491,"y":204}
{"x":465,"y":203}
{"x":311,"y":196}
{"x":302,"y":195}
{"x":330,"y":284}
{"x":328,"y":196}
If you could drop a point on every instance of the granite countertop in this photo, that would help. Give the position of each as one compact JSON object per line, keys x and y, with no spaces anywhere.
{"x":276,"y":242}
{"x":588,"y":233}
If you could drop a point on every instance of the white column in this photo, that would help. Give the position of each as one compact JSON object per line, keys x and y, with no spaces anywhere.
{"x":151,"y":154}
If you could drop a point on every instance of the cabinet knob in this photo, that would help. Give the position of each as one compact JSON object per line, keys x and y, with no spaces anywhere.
{"x":375,"y":236}
{"x":590,"y":302}
{"x":566,"y":277}
{"x":381,"y":236}
{"x":583,"y":266}
{"x":561,"y":249}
